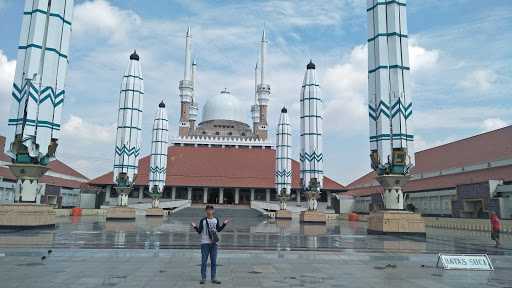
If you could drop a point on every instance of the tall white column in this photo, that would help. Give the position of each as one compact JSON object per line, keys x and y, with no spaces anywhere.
{"x":158,"y":159}
{"x":38,"y":86}
{"x":283,"y":176}
{"x":237,"y":195}
{"x":298,"y":196}
{"x":108,"y":189}
{"x":311,"y":115}
{"x":205,"y":195}
{"x":189,"y":193}
{"x":141,"y":192}
{"x":221,"y":195}
{"x":252,"y":194}
{"x":129,"y":123}
{"x":173,"y":193}
{"x":389,"y":101}
{"x":267,"y":195}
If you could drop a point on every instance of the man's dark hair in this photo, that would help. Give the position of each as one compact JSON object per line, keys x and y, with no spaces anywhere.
{"x":208,"y":207}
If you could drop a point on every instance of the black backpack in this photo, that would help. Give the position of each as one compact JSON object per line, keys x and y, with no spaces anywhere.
{"x":212,"y":231}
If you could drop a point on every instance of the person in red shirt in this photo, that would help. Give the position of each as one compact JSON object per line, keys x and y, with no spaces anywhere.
{"x":495,"y":228}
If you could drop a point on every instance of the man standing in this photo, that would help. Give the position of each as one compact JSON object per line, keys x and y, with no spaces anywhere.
{"x":495,"y":228}
{"x":208,"y":228}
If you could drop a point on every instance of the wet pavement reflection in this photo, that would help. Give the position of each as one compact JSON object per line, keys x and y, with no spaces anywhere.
{"x":247,"y":232}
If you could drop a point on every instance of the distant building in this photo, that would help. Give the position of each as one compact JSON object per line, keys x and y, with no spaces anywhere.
{"x":466,"y":178}
{"x":61,"y":183}
{"x":217,"y":175}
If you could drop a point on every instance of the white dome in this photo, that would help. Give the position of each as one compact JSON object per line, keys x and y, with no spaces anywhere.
{"x":223,"y":106}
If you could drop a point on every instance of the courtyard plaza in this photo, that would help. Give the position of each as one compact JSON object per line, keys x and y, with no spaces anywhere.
{"x":254,"y":251}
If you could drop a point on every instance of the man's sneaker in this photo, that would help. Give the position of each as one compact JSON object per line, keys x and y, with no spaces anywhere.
{"x":201,"y":282}
{"x":216,"y":282}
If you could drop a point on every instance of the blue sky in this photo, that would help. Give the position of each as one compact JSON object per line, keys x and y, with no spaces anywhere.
{"x":461,"y":67}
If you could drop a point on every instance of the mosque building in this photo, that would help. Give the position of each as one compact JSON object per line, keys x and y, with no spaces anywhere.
{"x":220,"y":159}
{"x":223,"y":121}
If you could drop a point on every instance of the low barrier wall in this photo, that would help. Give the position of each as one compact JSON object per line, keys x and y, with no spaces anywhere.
{"x":85,"y":212}
{"x":452,"y":223}
{"x":466,"y":224}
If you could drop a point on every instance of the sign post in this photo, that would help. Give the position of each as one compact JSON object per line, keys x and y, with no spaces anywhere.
{"x":480,"y":262}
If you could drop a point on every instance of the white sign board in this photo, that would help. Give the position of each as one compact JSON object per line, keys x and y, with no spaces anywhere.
{"x":465,"y":261}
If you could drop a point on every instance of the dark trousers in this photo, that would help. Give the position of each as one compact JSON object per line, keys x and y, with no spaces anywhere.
{"x":211,"y":250}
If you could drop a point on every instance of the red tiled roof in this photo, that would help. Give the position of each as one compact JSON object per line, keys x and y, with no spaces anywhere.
{"x":6,"y":173}
{"x":218,"y":167}
{"x":3,"y":156}
{"x":452,"y":180}
{"x":60,"y":182}
{"x":50,"y":180}
{"x":482,"y":148}
{"x":58,"y":166}
{"x":365,"y":180}
{"x":439,"y":182}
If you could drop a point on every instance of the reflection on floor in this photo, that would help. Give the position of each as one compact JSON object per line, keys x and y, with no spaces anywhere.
{"x":247,"y":231}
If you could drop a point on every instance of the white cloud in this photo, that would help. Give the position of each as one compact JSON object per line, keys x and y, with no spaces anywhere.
{"x":421,"y":58}
{"x":79,"y":129}
{"x":481,"y":80}
{"x":490,"y":124}
{"x":458,"y":117}
{"x":7,"y":69}
{"x":345,"y":85}
{"x":99,"y":17}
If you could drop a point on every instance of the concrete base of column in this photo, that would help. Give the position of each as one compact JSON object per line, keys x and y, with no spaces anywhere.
{"x":155,"y":212}
{"x":283,"y":215}
{"x":313,"y":217}
{"x":396,"y":222}
{"x":120,"y":213}
{"x":26,"y":215}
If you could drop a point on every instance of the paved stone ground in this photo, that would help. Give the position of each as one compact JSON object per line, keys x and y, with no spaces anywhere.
{"x":92,"y":252}
{"x":180,"y":268}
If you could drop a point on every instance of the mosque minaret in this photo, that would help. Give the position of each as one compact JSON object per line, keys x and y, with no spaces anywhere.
{"x":255,"y":108}
{"x":263,"y":91}
{"x":193,"y":109}
{"x":186,"y":87}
